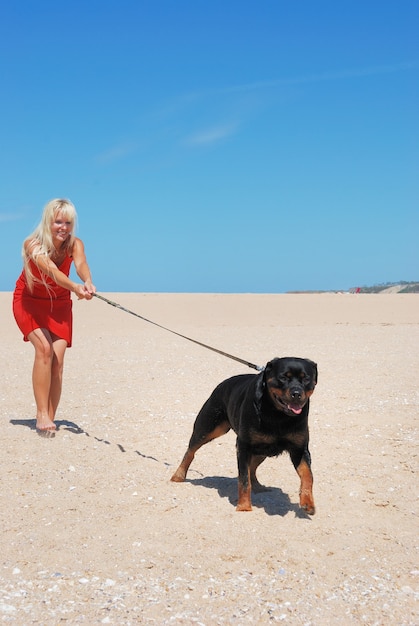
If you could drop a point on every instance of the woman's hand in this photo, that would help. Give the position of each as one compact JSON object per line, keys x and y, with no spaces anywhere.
{"x":84,"y":292}
{"x":90,"y":289}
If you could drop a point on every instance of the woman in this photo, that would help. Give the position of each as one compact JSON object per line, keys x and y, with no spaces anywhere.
{"x":42,"y":303}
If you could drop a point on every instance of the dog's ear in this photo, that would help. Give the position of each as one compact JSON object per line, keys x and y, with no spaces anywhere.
{"x":260,"y":387}
{"x":315,"y":371}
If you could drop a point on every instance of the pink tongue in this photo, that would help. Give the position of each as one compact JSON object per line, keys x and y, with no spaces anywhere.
{"x":295,"y":409}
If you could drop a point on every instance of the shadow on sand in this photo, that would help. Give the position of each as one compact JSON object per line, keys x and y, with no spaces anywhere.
{"x":61,"y":425}
{"x":72,"y":427}
{"x":274,"y":501}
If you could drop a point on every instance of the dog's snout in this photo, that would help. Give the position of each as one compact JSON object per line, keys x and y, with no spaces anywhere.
{"x":296,"y":394}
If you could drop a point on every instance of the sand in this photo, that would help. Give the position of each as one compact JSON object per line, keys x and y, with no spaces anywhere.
{"x":94,"y":532}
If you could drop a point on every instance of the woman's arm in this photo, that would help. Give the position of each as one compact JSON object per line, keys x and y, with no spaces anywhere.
{"x":48,"y":267}
{"x":82,"y":267}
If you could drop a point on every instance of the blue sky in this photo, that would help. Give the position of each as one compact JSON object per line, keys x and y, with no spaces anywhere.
{"x":218,"y":146}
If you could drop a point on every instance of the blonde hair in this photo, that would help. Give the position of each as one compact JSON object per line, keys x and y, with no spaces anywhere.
{"x":40,"y":241}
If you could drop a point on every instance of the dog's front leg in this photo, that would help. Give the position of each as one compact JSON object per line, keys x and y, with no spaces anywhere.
{"x":302,"y":464}
{"x":243,"y":461}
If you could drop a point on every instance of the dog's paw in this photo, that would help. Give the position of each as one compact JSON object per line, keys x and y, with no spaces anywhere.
{"x":178,"y":477}
{"x":307,"y":504}
{"x":244,"y":504}
{"x":242,"y":507}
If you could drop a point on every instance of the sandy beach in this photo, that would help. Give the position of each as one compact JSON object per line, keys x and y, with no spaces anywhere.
{"x":94,"y":532}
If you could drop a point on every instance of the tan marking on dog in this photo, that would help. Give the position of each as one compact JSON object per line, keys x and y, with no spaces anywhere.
{"x":258,"y":437}
{"x":306,"y":488}
{"x":299,"y":438}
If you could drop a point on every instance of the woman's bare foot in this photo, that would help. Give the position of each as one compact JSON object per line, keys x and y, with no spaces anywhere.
{"x":45,"y":427}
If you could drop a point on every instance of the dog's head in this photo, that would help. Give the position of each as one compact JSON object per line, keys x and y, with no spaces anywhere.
{"x":289,"y":383}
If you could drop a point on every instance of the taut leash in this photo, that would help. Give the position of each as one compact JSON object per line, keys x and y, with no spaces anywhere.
{"x":204,"y":345}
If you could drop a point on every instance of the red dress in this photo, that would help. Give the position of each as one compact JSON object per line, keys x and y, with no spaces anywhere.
{"x":44,"y":308}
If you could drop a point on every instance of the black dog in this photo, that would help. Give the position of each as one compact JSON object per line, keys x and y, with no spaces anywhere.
{"x":269,"y":414}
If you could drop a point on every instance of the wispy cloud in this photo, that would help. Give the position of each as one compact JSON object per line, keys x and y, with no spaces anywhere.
{"x":10,"y":217}
{"x":211,"y":135}
{"x":317,"y":77}
{"x":116,"y":153}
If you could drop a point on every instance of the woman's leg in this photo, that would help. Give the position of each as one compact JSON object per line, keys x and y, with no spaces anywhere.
{"x":59,"y":347}
{"x":41,"y":376}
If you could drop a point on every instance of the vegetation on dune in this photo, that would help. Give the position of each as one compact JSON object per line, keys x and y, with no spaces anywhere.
{"x":402,"y":286}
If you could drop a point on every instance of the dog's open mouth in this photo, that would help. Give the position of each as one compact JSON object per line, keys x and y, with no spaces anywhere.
{"x":295,"y":408}
{"x":291,"y":407}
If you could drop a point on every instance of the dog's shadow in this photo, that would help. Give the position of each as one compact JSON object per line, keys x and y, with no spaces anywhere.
{"x":274,"y":501}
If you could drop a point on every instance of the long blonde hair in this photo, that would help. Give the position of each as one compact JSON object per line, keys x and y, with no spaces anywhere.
{"x":40,"y":241}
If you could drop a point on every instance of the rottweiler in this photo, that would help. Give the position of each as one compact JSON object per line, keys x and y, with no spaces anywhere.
{"x":269,"y":414}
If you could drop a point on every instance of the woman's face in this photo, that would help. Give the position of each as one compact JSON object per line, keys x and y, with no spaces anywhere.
{"x":61,"y":229}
